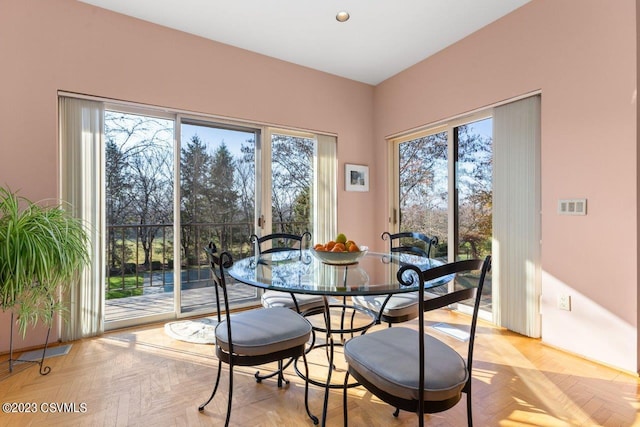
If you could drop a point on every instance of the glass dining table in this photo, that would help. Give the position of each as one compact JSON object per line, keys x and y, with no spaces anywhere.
{"x":300,"y":272}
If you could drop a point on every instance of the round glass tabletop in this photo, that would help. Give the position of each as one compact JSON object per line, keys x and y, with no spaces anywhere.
{"x":300,"y":272}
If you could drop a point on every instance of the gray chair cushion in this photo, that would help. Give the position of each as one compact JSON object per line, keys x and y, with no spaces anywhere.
{"x":264,"y":331}
{"x":399,"y":305}
{"x":388,"y":358}
{"x":283,"y":299}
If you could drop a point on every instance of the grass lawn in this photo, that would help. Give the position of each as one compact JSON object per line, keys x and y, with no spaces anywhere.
{"x":129,"y":286}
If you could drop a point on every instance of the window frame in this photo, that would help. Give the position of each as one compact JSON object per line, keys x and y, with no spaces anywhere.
{"x":394,"y":141}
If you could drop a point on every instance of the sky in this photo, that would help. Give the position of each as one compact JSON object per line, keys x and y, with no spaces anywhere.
{"x":213,"y":137}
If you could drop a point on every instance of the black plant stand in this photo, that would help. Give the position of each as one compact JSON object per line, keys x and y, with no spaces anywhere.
{"x":44,"y":370}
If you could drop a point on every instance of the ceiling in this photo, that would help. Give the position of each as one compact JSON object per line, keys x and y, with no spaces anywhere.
{"x":382,"y":37}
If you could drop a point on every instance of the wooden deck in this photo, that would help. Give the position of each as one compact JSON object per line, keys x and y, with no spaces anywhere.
{"x":159,"y":302}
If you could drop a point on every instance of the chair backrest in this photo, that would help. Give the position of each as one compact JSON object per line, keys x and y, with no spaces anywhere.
{"x":410,"y":242}
{"x":278,"y":242}
{"x":218,"y":264}
{"x":407,"y":275}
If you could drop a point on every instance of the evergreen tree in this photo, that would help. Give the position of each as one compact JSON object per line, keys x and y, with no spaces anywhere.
{"x":301,"y":212}
{"x":195,"y":187}
{"x":223,"y":198}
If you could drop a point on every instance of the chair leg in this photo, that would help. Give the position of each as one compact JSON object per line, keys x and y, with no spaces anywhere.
{"x":279,"y":373}
{"x":344,"y":313}
{"x":281,"y":377}
{"x":215,"y":388}
{"x":469,"y":418}
{"x":326,"y":391}
{"x":344,"y":399}
{"x":353,"y":316}
{"x":306,"y":390}
{"x":226,"y":423}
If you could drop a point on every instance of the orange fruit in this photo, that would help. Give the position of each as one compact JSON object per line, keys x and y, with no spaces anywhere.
{"x":330,"y":245}
{"x":354,"y":248}
{"x":319,"y":247}
{"x":339,"y":247}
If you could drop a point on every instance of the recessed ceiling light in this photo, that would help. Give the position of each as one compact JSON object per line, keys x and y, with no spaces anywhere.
{"x":342,"y":16}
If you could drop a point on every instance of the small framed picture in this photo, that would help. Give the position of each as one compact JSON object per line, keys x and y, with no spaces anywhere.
{"x":356,"y":177}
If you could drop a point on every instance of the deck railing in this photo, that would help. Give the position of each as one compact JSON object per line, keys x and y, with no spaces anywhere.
{"x":140,"y":258}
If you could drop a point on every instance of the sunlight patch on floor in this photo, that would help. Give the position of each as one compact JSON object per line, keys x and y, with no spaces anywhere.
{"x":554,"y":400}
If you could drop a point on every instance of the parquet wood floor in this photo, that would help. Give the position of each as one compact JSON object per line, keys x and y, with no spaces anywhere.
{"x":142,"y":377}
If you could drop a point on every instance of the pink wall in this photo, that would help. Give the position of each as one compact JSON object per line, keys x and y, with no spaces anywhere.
{"x":54,"y":45}
{"x":582,"y":56}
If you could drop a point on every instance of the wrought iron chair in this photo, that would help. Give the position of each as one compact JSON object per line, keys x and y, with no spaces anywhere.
{"x":305,"y":304}
{"x":399,"y":308}
{"x":280,"y":242}
{"x":253,"y":337}
{"x":412,"y":370}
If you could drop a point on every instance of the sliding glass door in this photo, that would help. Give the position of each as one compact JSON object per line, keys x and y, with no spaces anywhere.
{"x":473,"y":189}
{"x":473,"y":216}
{"x":175,"y":183}
{"x":139,"y":170}
{"x":217,"y":204}
{"x":170,"y":191}
{"x":443,"y":188}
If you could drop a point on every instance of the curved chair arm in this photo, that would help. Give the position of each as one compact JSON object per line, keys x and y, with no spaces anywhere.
{"x":429,"y":242}
{"x":258,"y":241}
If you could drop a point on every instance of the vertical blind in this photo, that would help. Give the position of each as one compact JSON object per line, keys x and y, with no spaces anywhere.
{"x":81,"y":186}
{"x":516,"y":216}
{"x":325,"y":190}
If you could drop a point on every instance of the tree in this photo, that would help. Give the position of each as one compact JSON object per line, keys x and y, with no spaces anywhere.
{"x":118,"y":186}
{"x":292,"y":169}
{"x":152,"y":188}
{"x":475,"y":171}
{"x":424,"y":189}
{"x":140,"y":165}
{"x":245,"y":184}
{"x":195,"y":185}
{"x":301,"y":213}
{"x":423,"y":185}
{"x":223,"y":199}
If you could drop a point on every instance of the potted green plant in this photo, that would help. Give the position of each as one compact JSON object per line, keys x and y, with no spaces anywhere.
{"x":42,"y":250}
